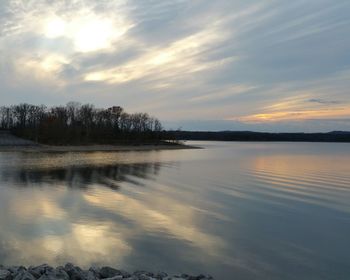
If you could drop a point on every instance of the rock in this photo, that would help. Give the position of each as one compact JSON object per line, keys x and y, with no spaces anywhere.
{"x":37,"y":271}
{"x":125,"y":274}
{"x":109,"y":272}
{"x":96,"y":270}
{"x":71,"y":272}
{"x":205,"y":277}
{"x":5,"y":275}
{"x":117,"y":277}
{"x":16,"y":269}
{"x":94,"y":273}
{"x":146,"y":277}
{"x":161,"y":275}
{"x":56,"y":274}
{"x":24,"y":275}
{"x":74,"y":272}
{"x":139,"y":272}
{"x":91,"y":275}
{"x":36,"y":274}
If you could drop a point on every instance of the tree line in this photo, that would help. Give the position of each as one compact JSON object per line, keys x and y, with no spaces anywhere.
{"x":335,"y":136}
{"x":75,"y":123}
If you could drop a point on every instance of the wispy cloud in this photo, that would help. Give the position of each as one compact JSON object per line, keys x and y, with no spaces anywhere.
{"x":233,"y":60}
{"x":322,"y":101}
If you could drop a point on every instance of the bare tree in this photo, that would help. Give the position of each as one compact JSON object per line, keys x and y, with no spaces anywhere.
{"x":79,"y":123}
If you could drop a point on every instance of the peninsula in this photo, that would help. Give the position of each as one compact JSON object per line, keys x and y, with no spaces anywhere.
{"x":79,"y":128}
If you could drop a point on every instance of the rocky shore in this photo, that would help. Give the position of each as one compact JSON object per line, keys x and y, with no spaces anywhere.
{"x":71,"y":272}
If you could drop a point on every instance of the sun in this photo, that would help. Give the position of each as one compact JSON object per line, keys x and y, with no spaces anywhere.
{"x":55,"y":28}
{"x":93,"y":35}
{"x":87,"y":33}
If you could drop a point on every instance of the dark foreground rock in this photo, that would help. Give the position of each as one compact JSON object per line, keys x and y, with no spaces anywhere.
{"x":71,"y":272}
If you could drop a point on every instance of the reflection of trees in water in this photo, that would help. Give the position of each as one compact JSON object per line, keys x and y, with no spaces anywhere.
{"x":82,"y":176}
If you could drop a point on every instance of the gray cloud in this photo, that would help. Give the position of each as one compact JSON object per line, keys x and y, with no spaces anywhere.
{"x":322,"y":101}
{"x":181,"y":60}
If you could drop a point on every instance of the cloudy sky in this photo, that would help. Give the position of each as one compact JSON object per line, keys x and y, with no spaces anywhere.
{"x":273,"y":65}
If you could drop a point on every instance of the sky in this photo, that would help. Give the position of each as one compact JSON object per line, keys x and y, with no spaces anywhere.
{"x":272,"y":65}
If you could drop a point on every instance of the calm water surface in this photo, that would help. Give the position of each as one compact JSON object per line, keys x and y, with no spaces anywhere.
{"x":252,"y":210}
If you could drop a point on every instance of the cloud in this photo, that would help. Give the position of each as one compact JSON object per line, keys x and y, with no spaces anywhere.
{"x":322,"y":101}
{"x":179,"y":60}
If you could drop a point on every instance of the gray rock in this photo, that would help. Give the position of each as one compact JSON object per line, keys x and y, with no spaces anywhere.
{"x":161,"y":275}
{"x":24,"y":275}
{"x":36,"y":274}
{"x":146,"y":277}
{"x":125,"y":274}
{"x":92,"y":276}
{"x":5,"y":275}
{"x":74,"y":272}
{"x":117,"y":277}
{"x":37,"y":271}
{"x":109,"y":272}
{"x":55,"y":274}
{"x":95,"y":270}
{"x":202,"y":277}
{"x":139,"y":272}
{"x":71,"y":272}
{"x":16,"y":269}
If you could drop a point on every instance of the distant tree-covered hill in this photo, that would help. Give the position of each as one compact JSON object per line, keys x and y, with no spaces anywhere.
{"x":335,"y":136}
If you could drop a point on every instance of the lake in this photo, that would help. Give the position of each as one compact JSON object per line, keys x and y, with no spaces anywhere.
{"x":232,"y":210}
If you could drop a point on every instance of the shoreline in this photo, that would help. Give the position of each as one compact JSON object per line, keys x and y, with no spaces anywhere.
{"x":93,"y":148}
{"x":71,"y":272}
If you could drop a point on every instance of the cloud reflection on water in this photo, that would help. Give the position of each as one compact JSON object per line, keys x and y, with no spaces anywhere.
{"x":89,"y":212}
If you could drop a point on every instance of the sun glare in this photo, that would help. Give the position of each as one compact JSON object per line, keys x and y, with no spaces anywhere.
{"x":93,"y":35}
{"x":88,"y":33}
{"x":55,"y":28}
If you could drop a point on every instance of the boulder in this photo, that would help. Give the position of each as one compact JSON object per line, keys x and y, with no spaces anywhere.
{"x":117,"y":277}
{"x":5,"y":275}
{"x":37,"y":271}
{"x":146,"y":277}
{"x":55,"y":274}
{"x":109,"y":272}
{"x":16,"y":269}
{"x":161,"y":275}
{"x":71,"y":272}
{"x":24,"y":275}
{"x":91,"y":276}
{"x":74,"y":272}
{"x":93,"y":273}
{"x":36,"y":274}
{"x":125,"y":274}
